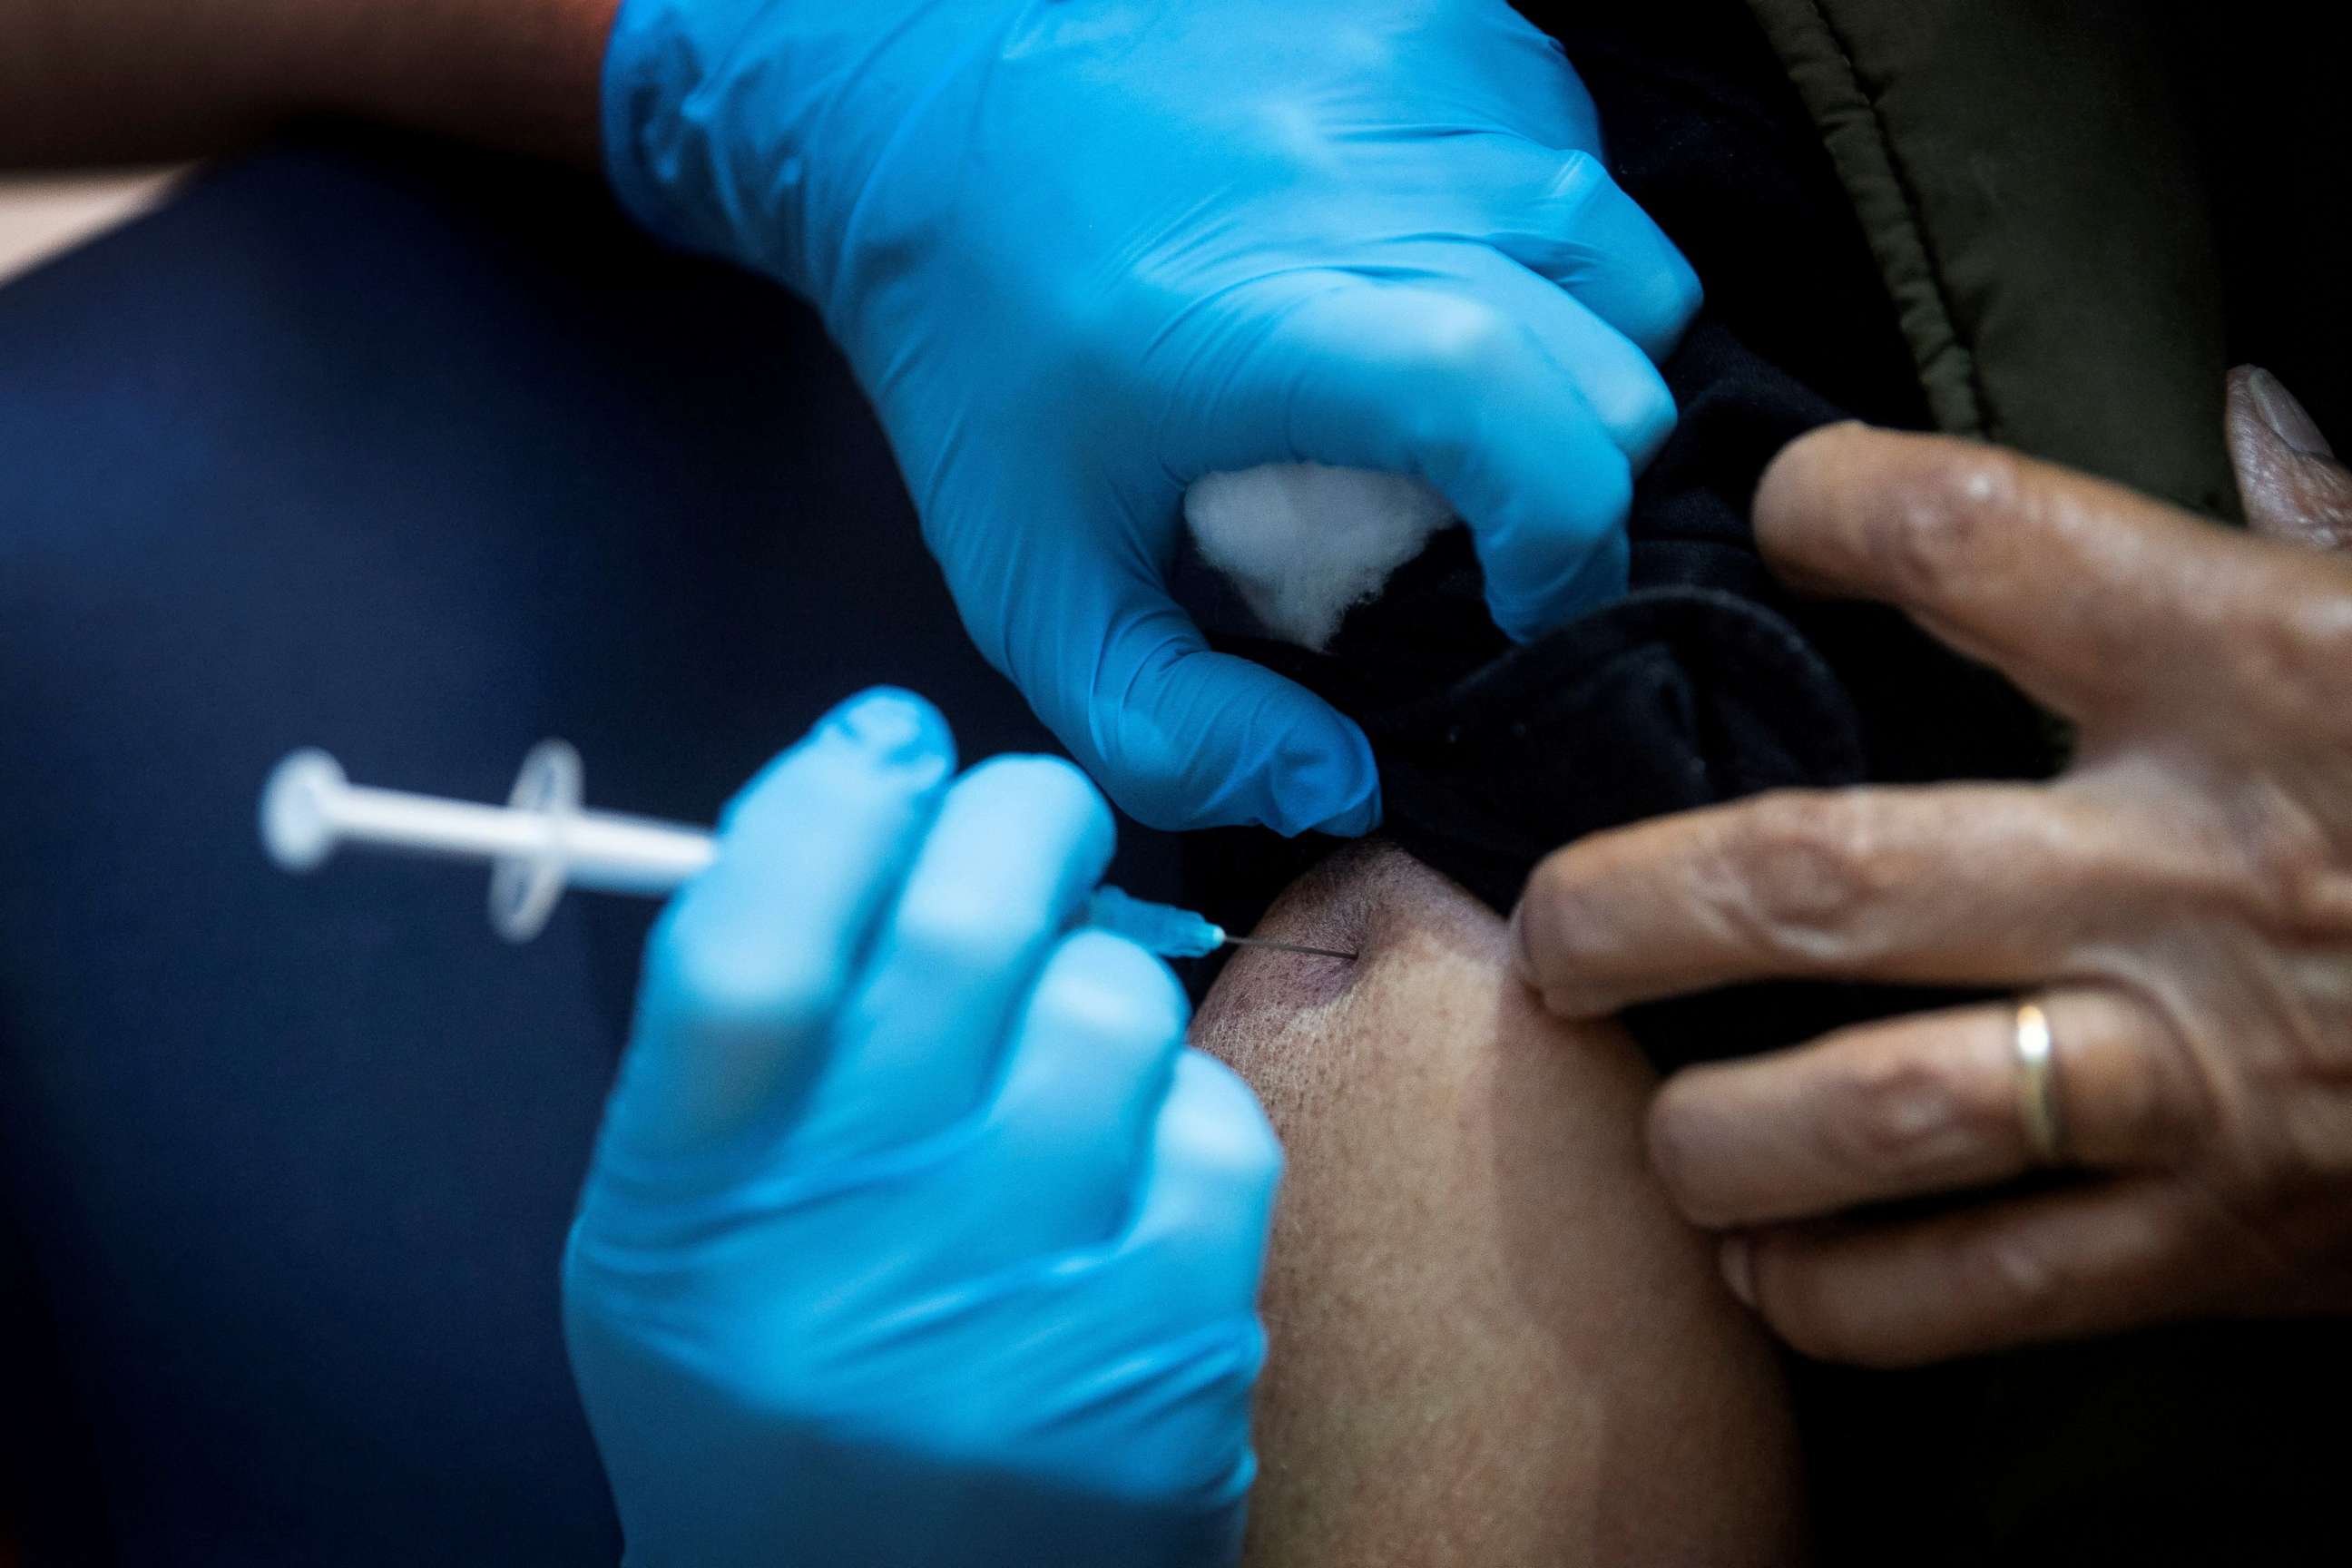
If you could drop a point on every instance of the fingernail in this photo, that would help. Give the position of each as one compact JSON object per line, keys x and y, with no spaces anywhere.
{"x":898,"y":728}
{"x":2288,"y":419}
{"x":1737,"y":1261}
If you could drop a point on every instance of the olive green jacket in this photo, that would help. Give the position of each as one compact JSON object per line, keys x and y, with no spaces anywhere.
{"x":2030,"y":182}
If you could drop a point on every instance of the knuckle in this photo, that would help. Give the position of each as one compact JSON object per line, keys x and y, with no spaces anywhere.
{"x":2294,"y":642}
{"x":2296,"y":881}
{"x":1900,"y":1112}
{"x":1651,"y":419}
{"x":1461,"y":339}
{"x":1941,"y":522}
{"x":1800,"y":876}
{"x":1638,"y":411}
{"x":1653,"y":278}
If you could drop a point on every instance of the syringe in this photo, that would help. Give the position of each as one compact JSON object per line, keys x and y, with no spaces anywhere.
{"x":542,"y":841}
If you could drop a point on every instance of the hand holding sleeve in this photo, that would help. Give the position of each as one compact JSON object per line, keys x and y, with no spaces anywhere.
{"x":1083,"y":255}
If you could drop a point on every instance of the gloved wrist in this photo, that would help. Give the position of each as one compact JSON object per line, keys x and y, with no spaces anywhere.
{"x":659,"y":145}
{"x":697,"y":163}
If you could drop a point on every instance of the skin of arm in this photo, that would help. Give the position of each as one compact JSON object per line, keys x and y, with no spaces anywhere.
{"x":97,"y":82}
{"x":1491,"y":1341}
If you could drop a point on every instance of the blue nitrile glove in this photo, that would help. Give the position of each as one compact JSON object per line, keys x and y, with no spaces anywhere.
{"x":1083,"y":252}
{"x":915,"y":1235}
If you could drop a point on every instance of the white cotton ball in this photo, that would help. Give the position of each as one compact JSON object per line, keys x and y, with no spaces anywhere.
{"x":1304,"y":542}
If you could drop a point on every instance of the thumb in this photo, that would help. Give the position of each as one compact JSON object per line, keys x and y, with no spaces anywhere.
{"x":2292,"y":486}
{"x":1179,"y":735}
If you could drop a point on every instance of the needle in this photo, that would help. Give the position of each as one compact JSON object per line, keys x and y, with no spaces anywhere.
{"x":1267,"y":941}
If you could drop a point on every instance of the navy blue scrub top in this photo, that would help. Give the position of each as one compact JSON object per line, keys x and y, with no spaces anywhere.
{"x":418,"y":456}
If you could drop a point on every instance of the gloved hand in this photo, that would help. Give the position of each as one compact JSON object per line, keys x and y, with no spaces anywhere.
{"x":1081,"y":255}
{"x":914,"y":1235}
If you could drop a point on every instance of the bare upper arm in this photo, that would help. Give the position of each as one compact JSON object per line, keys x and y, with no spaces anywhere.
{"x":1492,"y":1340}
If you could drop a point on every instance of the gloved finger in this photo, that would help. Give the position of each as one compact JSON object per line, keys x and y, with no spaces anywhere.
{"x":1613,"y":374}
{"x":1181,"y":736}
{"x":1090,"y":1063}
{"x":1921,"y":1104}
{"x":745,"y":970}
{"x":1213,"y":1168}
{"x":1458,"y":391}
{"x":2054,"y":1266}
{"x":1014,"y":850}
{"x":1564,"y":220}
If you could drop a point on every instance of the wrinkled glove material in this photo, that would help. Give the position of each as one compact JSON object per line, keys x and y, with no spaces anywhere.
{"x":1082,"y":255}
{"x":915,"y":1233}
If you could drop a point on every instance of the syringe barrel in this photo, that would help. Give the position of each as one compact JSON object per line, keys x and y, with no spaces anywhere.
{"x":616,"y":854}
{"x":425,"y":824}
{"x":604,"y":851}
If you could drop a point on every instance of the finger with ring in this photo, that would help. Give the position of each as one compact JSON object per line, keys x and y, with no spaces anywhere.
{"x":1927,"y":1103}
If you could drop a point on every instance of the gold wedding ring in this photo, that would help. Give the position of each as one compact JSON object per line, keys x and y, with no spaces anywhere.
{"x":2037,"y":1086}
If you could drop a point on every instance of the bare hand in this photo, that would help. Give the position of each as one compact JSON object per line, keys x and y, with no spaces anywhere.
{"x":2178,"y":905}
